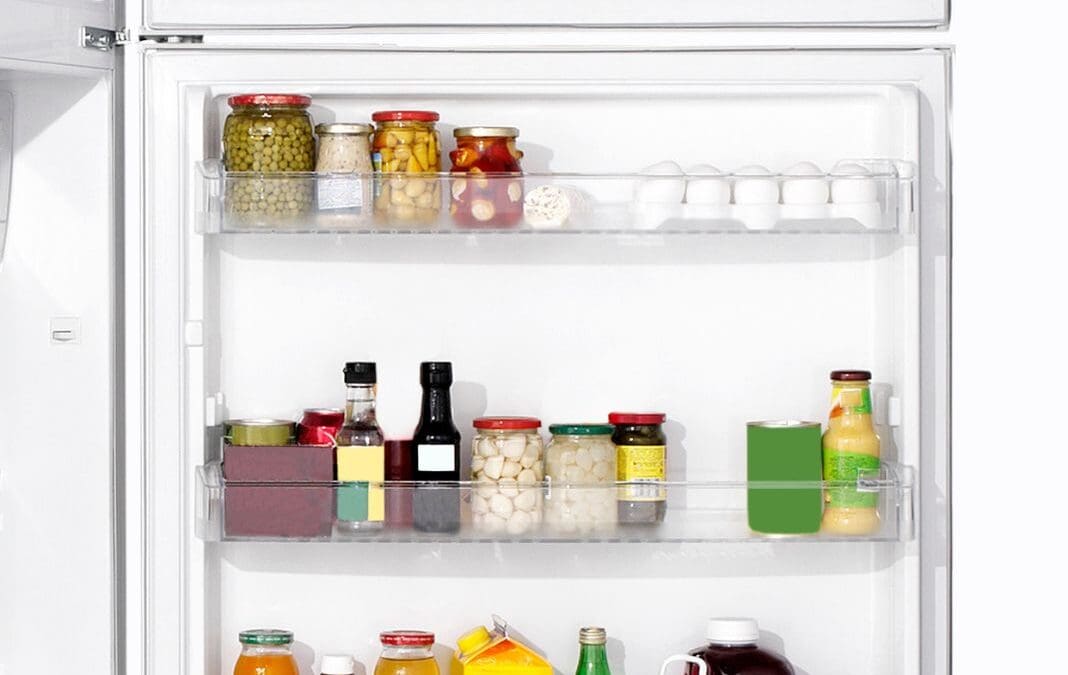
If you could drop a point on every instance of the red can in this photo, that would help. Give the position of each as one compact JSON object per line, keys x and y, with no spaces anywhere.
{"x":320,"y":426}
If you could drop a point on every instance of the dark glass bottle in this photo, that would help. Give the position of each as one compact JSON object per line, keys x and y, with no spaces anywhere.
{"x":436,"y":453}
{"x":593,"y":659}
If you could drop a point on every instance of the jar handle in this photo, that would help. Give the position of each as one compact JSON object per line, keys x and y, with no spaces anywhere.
{"x":702,"y":667}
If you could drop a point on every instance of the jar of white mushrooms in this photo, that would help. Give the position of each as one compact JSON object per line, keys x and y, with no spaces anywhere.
{"x":580,"y":469}
{"x":506,"y":465}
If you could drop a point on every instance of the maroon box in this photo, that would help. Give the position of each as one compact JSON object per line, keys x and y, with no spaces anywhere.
{"x":284,"y":511}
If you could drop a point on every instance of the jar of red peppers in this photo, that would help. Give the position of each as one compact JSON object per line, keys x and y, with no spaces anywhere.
{"x":494,"y":200}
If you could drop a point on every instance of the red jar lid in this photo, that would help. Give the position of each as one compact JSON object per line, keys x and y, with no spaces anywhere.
{"x":507,"y":423}
{"x":323,"y":417}
{"x":405,"y":116}
{"x":850,"y":375}
{"x":636,"y":418}
{"x":269,"y":99}
{"x":407,"y":638}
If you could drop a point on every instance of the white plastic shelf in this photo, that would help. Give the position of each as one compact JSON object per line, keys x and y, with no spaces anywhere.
{"x":857,"y":197}
{"x":709,"y":511}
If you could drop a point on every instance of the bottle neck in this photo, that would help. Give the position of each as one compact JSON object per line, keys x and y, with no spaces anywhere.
{"x":437,"y":405}
{"x":360,"y":403}
{"x":593,"y":657}
{"x":851,"y":405}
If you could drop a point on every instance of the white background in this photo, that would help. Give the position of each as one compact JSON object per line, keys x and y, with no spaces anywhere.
{"x":1010,"y":252}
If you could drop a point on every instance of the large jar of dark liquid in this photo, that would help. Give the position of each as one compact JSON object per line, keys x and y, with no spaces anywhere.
{"x":436,"y":453}
{"x":641,"y":462}
{"x":732,"y":650}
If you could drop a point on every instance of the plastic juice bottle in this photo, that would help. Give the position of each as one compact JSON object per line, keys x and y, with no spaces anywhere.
{"x":732,"y":649}
{"x":266,"y":652}
{"x":850,"y":449}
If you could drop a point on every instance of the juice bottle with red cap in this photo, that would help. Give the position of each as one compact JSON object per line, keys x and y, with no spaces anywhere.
{"x":641,"y":462}
{"x":406,"y":652}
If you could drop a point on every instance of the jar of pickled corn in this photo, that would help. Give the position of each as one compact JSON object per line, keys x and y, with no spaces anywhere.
{"x":506,"y":465}
{"x":268,"y":134}
{"x":491,"y":192}
{"x":406,"y":147}
{"x":580,"y":468}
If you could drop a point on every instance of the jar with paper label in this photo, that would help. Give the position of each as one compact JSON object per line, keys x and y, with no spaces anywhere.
{"x":580,"y":469}
{"x":641,"y":457}
{"x":344,"y":152}
{"x":506,"y":462}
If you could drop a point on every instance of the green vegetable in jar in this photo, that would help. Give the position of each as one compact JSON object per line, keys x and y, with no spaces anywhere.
{"x":268,"y":133}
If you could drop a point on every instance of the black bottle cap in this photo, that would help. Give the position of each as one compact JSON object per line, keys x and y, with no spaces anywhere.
{"x":435,"y":373}
{"x":360,"y":372}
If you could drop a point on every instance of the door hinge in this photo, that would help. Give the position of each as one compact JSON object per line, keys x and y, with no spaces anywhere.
{"x":103,"y":39}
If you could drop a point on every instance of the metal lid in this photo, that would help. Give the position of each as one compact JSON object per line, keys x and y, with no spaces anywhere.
{"x":486,"y":132}
{"x":850,"y":375}
{"x":640,"y":418}
{"x":407,"y":638}
{"x":783,"y":424}
{"x":588,"y":429}
{"x":269,"y":99}
{"x":507,"y":423}
{"x":265,"y":636}
{"x":405,"y":116}
{"x":349,"y":128}
{"x":592,"y":635}
{"x":259,"y":422}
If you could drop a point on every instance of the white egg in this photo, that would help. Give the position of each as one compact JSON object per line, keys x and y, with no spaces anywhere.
{"x":703,"y":189}
{"x":852,"y":184}
{"x":666,"y":185}
{"x":799,"y":188}
{"x":755,"y":185}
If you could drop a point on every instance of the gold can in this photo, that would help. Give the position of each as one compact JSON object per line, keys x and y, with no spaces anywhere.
{"x":259,"y":432}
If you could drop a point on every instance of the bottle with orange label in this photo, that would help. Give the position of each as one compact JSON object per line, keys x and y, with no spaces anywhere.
{"x":266,"y":652}
{"x":485,"y":652}
{"x":850,"y":451}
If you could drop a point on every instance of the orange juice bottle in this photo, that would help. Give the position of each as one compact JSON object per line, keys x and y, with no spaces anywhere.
{"x":850,"y":450}
{"x":266,"y":652}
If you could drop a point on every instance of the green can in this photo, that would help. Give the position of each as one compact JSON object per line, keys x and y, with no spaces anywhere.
{"x":779,"y":453}
{"x":259,"y":432}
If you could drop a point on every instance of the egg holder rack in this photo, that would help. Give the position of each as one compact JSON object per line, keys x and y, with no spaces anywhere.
{"x":697,"y":511}
{"x":857,"y":197}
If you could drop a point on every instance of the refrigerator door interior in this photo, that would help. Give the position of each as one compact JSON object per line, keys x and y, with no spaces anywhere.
{"x":57,"y":371}
{"x":337,"y":14}
{"x":50,"y":31}
{"x":717,"y":328}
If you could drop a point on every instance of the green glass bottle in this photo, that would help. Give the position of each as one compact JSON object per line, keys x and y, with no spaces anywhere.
{"x":593,"y":659}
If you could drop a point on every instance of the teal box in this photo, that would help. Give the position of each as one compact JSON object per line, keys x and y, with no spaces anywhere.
{"x":784,"y":452}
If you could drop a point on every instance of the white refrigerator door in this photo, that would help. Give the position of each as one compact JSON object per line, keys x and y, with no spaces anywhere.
{"x":57,"y":381}
{"x":177,"y":14}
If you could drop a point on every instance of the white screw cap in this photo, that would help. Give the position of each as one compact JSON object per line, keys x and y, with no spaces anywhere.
{"x":337,"y":664}
{"x":732,"y":631}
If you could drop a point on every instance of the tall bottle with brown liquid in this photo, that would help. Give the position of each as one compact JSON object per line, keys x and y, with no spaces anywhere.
{"x":850,"y":451}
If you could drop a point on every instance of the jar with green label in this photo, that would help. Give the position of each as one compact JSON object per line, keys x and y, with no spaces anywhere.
{"x":268,"y":134}
{"x":641,"y":462}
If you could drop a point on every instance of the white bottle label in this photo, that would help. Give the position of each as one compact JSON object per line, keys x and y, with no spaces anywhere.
{"x":436,"y":458}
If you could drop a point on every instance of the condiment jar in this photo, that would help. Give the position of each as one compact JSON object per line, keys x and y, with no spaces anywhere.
{"x":495,"y":200}
{"x":580,"y":468}
{"x":407,"y":142}
{"x":266,"y":652}
{"x":268,"y":133}
{"x":506,"y":461}
{"x":406,"y":652}
{"x":345,"y":149}
{"x":641,"y":457}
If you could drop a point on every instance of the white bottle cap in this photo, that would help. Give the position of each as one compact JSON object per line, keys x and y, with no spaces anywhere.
{"x":732,"y":631}
{"x":337,"y":664}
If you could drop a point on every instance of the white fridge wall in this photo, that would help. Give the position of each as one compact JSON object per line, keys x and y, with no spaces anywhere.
{"x":244,"y":14}
{"x":56,"y":439}
{"x":47,"y":31}
{"x":735,"y":311}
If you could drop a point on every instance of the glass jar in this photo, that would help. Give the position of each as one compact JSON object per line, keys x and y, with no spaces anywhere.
{"x":344,"y":148}
{"x":641,"y":457}
{"x":496,"y":201}
{"x":266,"y":652}
{"x":580,"y":468}
{"x":406,"y":652}
{"x":506,"y":461}
{"x":407,"y":142}
{"x":268,"y":133}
